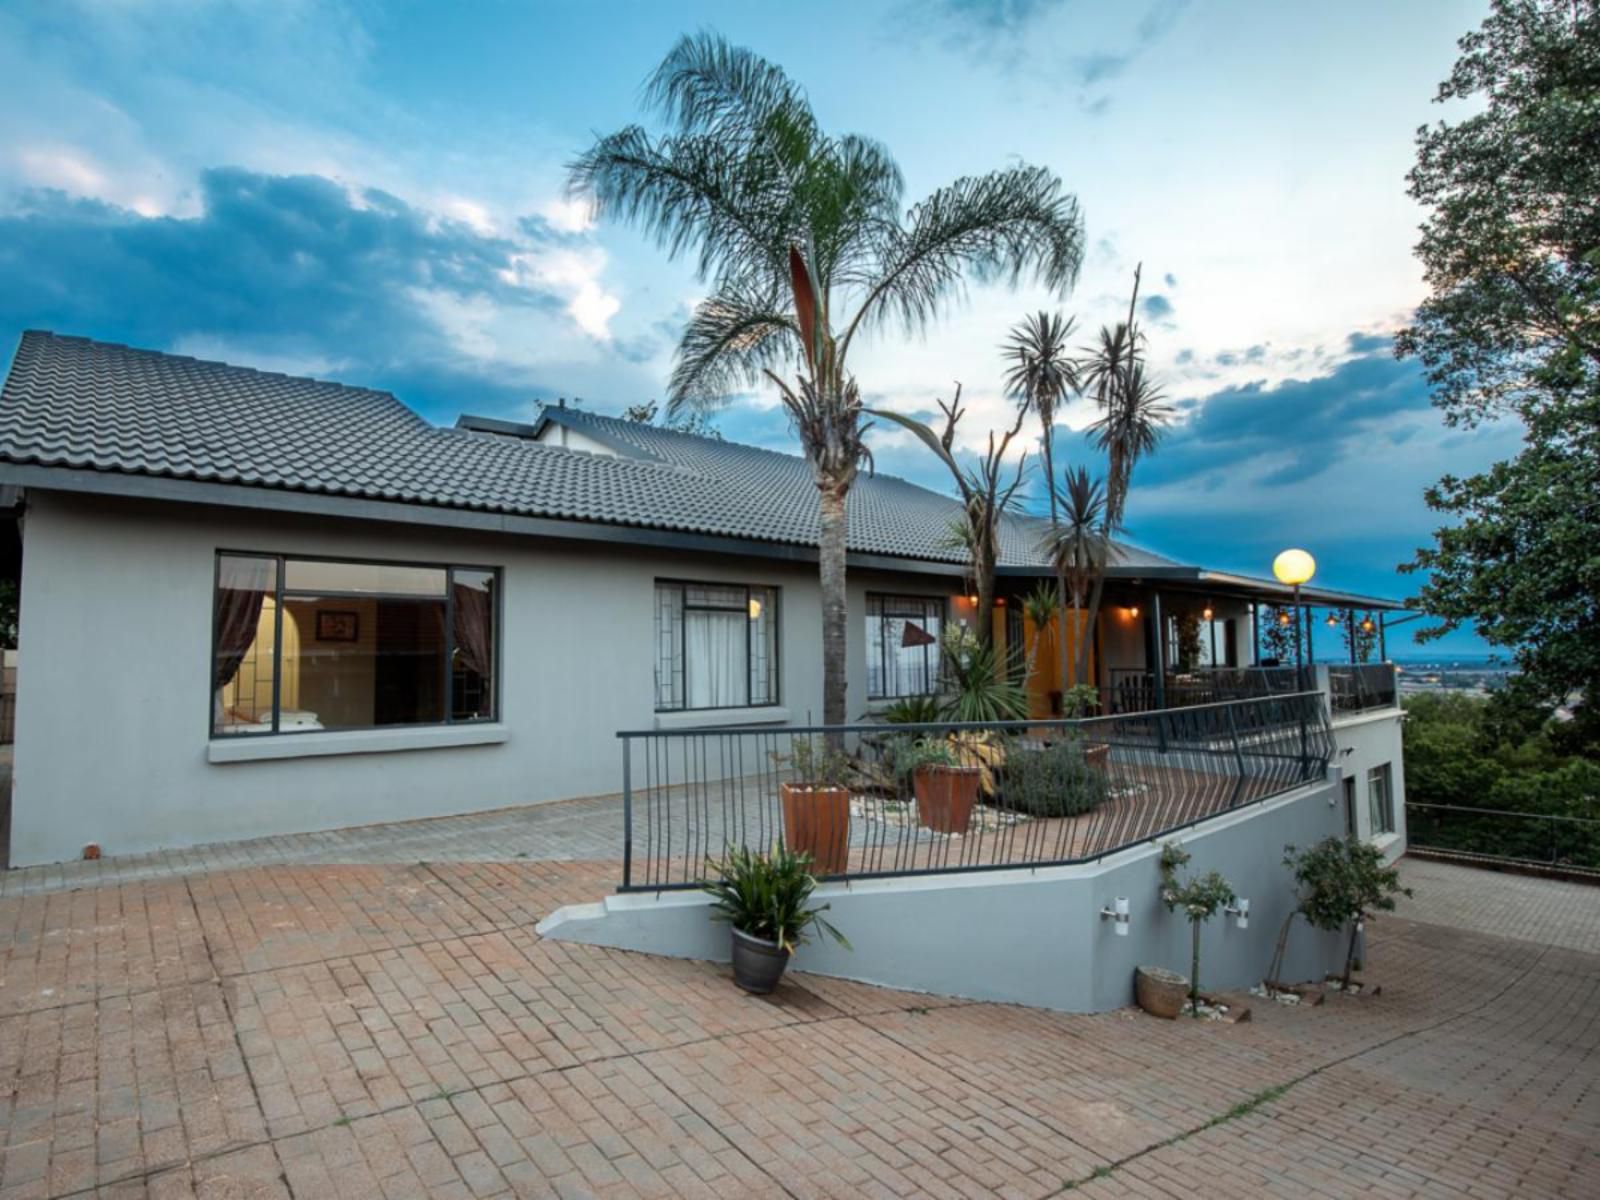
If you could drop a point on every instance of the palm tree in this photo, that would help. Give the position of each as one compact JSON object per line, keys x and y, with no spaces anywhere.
{"x":1042,"y":375}
{"x":1129,"y":429}
{"x":1078,"y":546}
{"x":1133,"y":414}
{"x":806,"y":243}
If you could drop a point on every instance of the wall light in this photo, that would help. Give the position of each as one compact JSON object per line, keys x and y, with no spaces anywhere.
{"x":1241,"y":911}
{"x":1206,"y":613}
{"x":1133,"y":610}
{"x":755,"y":609}
{"x":1118,"y":912}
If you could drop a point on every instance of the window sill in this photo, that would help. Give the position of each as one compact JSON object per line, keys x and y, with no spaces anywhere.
{"x":357,"y":741}
{"x":716,"y":718}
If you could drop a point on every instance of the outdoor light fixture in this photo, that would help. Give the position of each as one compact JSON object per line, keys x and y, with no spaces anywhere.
{"x":1133,"y":610}
{"x":1366,"y":625}
{"x":1206,"y":613}
{"x":1283,"y":618}
{"x":1295,"y":567}
{"x":1241,"y":910}
{"x":1333,"y":621}
{"x":1119,"y":913}
{"x":755,"y":609}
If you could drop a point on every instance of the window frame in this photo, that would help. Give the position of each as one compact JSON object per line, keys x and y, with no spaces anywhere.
{"x":775,"y":667}
{"x":280,"y":561}
{"x":1384,"y":772}
{"x":929,"y":603}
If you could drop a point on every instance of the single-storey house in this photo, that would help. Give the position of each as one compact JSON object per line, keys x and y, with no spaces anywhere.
{"x":254,"y":604}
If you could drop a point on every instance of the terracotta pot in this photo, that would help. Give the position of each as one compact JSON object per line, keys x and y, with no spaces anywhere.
{"x":757,"y":964}
{"x":945,"y":796}
{"x":1160,"y":992}
{"x":816,"y":821}
{"x":1097,"y":755}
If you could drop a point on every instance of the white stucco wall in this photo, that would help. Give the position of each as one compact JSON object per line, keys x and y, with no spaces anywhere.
{"x":113,"y":734}
{"x":1367,"y":740}
{"x":1029,"y":936}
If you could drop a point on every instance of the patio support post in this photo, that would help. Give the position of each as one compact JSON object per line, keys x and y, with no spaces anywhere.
{"x":1383,"y":646}
{"x":1311,"y":650}
{"x":1350,"y":625}
{"x":1299,"y":658}
{"x":1255,"y":634}
{"x":1159,"y":668}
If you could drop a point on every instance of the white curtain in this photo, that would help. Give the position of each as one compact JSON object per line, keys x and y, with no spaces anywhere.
{"x":716,"y":666}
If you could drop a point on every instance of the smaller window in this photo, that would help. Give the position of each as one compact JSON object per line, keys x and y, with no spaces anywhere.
{"x":716,"y":646}
{"x":1350,"y":806}
{"x":903,"y":635}
{"x":1380,"y":799}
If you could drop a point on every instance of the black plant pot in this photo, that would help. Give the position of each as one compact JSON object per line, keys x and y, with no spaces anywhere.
{"x":757,"y":965}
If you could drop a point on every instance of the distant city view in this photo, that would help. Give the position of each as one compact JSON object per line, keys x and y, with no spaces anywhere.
{"x":1476,"y":673}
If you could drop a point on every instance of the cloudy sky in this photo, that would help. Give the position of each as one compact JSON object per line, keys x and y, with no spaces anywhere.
{"x":374,"y":193}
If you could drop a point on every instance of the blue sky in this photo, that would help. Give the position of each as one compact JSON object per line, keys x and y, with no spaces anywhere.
{"x":373,"y":192}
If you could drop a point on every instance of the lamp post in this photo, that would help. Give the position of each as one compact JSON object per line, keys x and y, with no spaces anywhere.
{"x":1295,"y":567}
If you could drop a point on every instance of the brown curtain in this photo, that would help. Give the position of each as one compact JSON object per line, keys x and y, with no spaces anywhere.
{"x":241,"y":589}
{"x":474,"y":640}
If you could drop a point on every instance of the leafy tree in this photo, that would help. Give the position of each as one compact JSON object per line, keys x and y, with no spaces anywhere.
{"x":1511,"y":253}
{"x":985,"y":496}
{"x":1276,"y":634}
{"x":806,"y":243}
{"x":1343,"y":882}
{"x":698,"y":423}
{"x":1200,"y":897}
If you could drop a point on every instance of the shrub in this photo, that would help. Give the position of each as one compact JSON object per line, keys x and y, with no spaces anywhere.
{"x":1056,"y":781}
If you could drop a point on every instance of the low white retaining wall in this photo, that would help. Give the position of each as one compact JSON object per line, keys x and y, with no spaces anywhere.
{"x":1028,"y":936}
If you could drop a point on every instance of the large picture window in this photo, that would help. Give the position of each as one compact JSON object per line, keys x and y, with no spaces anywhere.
{"x":303,"y":644}
{"x":903,"y":645}
{"x":716,"y":646}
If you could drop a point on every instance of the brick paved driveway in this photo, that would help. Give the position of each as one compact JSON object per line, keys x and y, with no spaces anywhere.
{"x":398,"y":1030}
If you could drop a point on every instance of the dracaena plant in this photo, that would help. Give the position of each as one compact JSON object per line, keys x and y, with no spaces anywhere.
{"x":768,"y":896}
{"x":807,"y":244}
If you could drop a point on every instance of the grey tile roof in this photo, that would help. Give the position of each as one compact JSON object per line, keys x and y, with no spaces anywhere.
{"x":72,"y":402}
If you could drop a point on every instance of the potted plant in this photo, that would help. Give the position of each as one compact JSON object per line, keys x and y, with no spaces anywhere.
{"x":766,"y":899}
{"x":1078,"y":702}
{"x":816,"y":803}
{"x":946,"y":787}
{"x":1200,"y":897}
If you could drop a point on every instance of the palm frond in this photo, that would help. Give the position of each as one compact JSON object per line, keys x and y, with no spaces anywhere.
{"x":995,"y":226}
{"x":729,"y":341}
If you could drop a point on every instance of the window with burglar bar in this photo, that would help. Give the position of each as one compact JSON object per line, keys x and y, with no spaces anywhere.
{"x":903,"y":635}
{"x":716,"y":646}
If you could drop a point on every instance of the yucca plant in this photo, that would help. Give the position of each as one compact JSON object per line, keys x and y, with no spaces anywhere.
{"x":768,"y":896}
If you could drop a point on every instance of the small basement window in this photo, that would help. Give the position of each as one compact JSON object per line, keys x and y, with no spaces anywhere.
{"x":301,"y":644}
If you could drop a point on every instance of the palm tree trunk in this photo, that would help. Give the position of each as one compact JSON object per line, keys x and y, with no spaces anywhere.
{"x":835,"y":610}
{"x":983,"y":566}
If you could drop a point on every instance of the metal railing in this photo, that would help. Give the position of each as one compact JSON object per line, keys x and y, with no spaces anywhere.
{"x":1358,"y":687}
{"x":1133,"y":689}
{"x":1505,"y":836}
{"x":876,"y":800}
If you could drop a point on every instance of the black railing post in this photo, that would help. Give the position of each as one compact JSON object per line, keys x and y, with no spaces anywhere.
{"x":627,"y":813}
{"x":1238,"y":757}
{"x":1159,"y":672}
